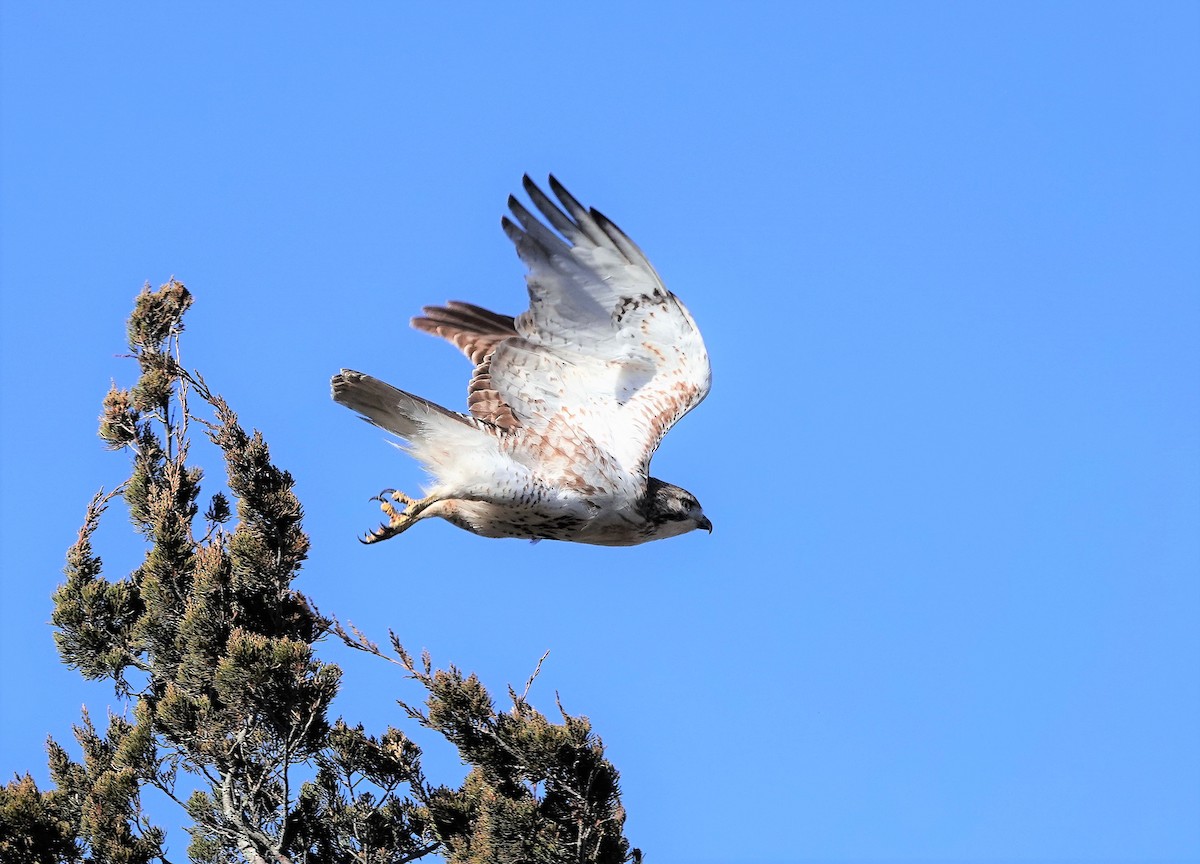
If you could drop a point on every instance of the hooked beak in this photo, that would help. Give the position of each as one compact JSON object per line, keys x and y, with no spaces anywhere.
{"x":705,"y":524}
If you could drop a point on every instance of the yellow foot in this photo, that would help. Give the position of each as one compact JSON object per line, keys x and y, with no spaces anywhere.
{"x":399,"y":520}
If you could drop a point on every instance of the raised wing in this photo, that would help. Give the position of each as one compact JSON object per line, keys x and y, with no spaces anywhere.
{"x":604,"y":348}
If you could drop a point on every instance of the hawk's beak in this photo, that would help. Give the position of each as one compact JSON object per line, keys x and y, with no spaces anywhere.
{"x":705,"y":524}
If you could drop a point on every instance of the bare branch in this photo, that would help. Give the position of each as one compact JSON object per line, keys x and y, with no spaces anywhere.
{"x":532,"y":677}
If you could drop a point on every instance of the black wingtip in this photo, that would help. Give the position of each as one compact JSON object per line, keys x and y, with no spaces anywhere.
{"x":559,"y":190}
{"x":569,"y":201}
{"x":512,"y":231}
{"x":603,"y":220}
{"x":519,"y":210}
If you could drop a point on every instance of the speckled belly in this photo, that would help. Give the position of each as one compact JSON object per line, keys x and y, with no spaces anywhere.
{"x":531,"y":522}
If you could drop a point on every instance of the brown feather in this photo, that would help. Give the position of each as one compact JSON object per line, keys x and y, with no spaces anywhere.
{"x":473,"y":330}
{"x":476,"y":332}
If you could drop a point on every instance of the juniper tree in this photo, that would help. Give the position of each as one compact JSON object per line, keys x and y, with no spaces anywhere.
{"x":211,"y":648}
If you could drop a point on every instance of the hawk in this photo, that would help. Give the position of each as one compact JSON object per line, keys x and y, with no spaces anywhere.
{"x":568,"y":401}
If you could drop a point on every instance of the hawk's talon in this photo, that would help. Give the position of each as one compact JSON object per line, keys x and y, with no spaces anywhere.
{"x":383,"y":532}
{"x":400,"y":497}
{"x":399,"y":519}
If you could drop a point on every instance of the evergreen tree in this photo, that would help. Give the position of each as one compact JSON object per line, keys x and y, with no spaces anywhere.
{"x":212,"y":649}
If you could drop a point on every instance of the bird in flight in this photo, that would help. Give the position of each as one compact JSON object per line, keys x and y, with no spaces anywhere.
{"x":568,"y":401}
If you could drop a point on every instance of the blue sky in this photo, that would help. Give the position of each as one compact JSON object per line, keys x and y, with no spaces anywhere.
{"x":946,"y":258}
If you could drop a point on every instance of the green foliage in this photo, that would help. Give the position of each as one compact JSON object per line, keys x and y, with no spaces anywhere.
{"x":106,"y":788}
{"x":538,"y":791}
{"x":213,"y":649}
{"x":95,"y":618}
{"x":37,"y":827}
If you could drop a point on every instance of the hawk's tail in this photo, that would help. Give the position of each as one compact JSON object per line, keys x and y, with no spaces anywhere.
{"x":403,"y":414}
{"x":449,"y":445}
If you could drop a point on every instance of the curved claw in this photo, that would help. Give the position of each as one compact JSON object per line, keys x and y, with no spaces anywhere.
{"x":400,"y":519}
{"x":382,"y":494}
{"x":383,"y":532}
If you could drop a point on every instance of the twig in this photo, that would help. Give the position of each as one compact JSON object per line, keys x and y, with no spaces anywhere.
{"x":536,"y":671}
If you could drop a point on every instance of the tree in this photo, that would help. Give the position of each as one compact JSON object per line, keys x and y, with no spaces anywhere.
{"x":213,"y":650}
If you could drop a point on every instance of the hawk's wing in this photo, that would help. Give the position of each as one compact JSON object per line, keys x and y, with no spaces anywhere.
{"x":604,"y":348}
{"x":476,"y":332}
{"x":472,"y":329}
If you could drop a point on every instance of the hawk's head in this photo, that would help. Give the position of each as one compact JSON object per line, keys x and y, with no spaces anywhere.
{"x":671,"y":511}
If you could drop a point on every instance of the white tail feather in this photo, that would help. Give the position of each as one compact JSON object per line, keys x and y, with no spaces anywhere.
{"x":440,"y":439}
